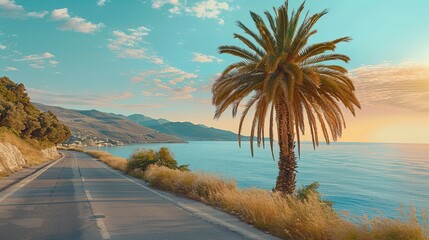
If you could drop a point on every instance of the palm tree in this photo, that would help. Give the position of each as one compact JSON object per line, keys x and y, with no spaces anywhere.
{"x":293,"y":82}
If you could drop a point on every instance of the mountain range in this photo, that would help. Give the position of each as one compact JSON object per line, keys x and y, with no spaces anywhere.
{"x":185,"y":130}
{"x":136,"y":128}
{"x":93,"y":125}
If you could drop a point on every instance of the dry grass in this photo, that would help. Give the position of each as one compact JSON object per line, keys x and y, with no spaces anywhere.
{"x":30,"y":150}
{"x":285,"y":217}
{"x":114,"y":162}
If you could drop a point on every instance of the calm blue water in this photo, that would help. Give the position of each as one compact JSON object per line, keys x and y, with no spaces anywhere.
{"x":363,"y":178}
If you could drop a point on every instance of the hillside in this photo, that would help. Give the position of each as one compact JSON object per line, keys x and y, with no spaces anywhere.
{"x":95,"y":126}
{"x":147,"y":121}
{"x":27,"y":135}
{"x":185,"y":130}
{"x":20,"y":116}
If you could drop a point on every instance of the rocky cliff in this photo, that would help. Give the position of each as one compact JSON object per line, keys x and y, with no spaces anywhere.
{"x":51,"y":153}
{"x":12,"y":160}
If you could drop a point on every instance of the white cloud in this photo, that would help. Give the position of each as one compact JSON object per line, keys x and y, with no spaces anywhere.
{"x":10,"y":9}
{"x":128,"y":44}
{"x":76,"y":24}
{"x":182,"y":93}
{"x":199,"y":57}
{"x":177,"y":75}
{"x":163,"y":82}
{"x":132,"y":53}
{"x":159,"y":3}
{"x":2,"y":47}
{"x":209,"y":9}
{"x":10,"y":69}
{"x":130,"y":39}
{"x":157,"y":60}
{"x":38,"y":64}
{"x":38,"y":60}
{"x":176,"y":93}
{"x":38,"y":14}
{"x":60,"y":14}
{"x":35,"y":57}
{"x":121,"y":96}
{"x":175,"y":10}
{"x":146,"y":93}
{"x":404,"y":85}
{"x":101,"y":2}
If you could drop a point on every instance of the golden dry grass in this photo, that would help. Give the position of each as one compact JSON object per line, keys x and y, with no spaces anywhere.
{"x":285,"y":217}
{"x":29,"y":149}
{"x":114,"y":162}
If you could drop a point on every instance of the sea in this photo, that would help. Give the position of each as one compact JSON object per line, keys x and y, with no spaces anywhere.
{"x":359,"y":178}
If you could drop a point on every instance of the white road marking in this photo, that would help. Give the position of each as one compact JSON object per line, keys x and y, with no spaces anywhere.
{"x":27,"y":180}
{"x":88,"y":195}
{"x":103,"y":230}
{"x":100,"y":222}
{"x":206,"y":216}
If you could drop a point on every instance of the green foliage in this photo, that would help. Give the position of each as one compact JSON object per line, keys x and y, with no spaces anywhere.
{"x":304,"y":192}
{"x":23,"y":118}
{"x":143,"y":158}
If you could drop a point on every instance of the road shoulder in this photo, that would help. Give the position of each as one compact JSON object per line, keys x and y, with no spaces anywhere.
{"x":205,"y":212}
{"x":16,"y":177}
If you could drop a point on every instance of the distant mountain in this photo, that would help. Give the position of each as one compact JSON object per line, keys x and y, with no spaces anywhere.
{"x":185,"y":130}
{"x":136,"y":128}
{"x":147,"y":121}
{"x":94,"y":124}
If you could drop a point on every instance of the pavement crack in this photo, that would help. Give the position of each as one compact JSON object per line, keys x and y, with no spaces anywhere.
{"x":56,"y":183}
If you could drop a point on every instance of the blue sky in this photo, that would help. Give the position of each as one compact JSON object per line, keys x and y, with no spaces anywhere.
{"x":159,"y":57}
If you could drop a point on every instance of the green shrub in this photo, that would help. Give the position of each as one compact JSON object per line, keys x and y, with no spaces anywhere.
{"x":141,"y":159}
{"x":305,"y":191}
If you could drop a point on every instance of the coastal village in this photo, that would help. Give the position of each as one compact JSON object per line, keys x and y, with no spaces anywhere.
{"x":81,"y":140}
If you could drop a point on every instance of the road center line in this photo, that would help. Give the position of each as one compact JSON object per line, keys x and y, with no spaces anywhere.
{"x":100,"y":222}
{"x":103,"y":230}
{"x":88,"y":195}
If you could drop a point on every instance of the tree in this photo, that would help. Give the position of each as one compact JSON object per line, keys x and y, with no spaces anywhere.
{"x":19,"y":115}
{"x":292,"y":81}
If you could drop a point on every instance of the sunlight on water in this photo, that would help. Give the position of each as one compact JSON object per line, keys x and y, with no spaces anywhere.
{"x":362,"y":178}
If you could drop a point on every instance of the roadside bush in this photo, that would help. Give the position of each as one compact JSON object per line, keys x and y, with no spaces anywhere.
{"x":305,"y":192}
{"x":141,"y":159}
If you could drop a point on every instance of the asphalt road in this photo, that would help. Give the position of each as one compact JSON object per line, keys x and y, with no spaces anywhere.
{"x":78,"y":197}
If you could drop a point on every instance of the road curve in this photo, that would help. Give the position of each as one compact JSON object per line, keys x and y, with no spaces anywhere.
{"x":78,"y":197}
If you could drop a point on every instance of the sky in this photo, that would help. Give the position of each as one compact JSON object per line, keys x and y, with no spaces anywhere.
{"x":159,"y":57}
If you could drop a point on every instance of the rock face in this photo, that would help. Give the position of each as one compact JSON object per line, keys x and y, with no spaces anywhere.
{"x":11,"y":158}
{"x":51,"y":153}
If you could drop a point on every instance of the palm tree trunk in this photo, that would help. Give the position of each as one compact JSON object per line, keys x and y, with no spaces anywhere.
{"x":287,"y":160}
